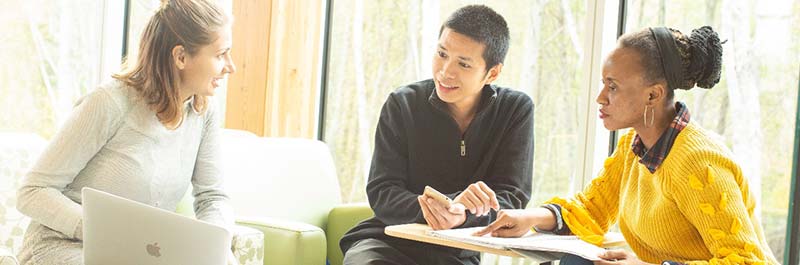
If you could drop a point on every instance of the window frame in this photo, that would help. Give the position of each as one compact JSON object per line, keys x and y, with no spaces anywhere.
{"x":622,"y":19}
{"x":323,"y":84}
{"x":792,"y":247}
{"x":113,"y":46}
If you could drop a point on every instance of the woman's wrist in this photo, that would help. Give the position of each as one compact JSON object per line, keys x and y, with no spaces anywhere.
{"x":544,"y":219}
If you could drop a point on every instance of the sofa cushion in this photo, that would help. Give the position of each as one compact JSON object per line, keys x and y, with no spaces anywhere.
{"x":290,"y":242}
{"x":286,"y":178}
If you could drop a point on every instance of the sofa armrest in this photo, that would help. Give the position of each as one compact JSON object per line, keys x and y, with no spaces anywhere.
{"x":247,"y":245}
{"x":289,"y":242}
{"x":341,"y":219}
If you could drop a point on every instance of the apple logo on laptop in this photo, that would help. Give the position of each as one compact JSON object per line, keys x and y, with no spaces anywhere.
{"x":153,"y":250}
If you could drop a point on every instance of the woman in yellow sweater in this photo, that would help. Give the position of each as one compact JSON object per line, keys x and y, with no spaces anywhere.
{"x":678,"y":196}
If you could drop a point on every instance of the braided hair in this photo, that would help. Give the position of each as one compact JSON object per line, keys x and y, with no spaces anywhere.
{"x":700,"y":52}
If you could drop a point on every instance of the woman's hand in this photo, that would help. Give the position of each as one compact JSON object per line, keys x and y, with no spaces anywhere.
{"x":619,"y":257}
{"x":510,"y":223}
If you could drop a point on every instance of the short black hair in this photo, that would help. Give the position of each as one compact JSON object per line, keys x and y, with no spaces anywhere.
{"x":483,"y":25}
{"x":700,"y":52}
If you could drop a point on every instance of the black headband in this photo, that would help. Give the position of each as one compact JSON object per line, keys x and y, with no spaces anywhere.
{"x":670,"y":60}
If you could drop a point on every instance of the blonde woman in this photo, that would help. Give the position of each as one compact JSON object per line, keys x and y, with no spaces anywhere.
{"x":676,"y":193}
{"x":146,"y":136}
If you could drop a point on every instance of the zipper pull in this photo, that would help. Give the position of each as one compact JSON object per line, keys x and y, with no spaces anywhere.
{"x":463,"y":148}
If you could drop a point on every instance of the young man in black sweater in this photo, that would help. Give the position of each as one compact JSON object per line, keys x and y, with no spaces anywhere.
{"x":457,"y":133}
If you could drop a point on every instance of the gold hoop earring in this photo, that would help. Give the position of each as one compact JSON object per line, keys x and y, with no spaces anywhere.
{"x":652,"y":116}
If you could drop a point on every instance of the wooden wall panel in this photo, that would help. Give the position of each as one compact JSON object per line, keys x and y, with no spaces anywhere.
{"x":246,"y":88}
{"x":278,"y":54}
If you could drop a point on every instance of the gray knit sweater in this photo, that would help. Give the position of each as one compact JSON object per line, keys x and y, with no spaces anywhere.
{"x":113,"y":142}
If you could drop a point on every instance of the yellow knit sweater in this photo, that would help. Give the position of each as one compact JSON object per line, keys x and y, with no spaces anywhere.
{"x":696,"y":208}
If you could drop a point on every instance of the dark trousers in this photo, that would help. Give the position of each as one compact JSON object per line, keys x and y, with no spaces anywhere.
{"x":379,"y":252}
{"x":570,"y":259}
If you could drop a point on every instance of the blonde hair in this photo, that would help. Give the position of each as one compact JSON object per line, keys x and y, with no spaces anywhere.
{"x":154,"y":75}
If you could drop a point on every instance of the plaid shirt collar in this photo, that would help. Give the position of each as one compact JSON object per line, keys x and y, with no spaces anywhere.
{"x":653,"y":158}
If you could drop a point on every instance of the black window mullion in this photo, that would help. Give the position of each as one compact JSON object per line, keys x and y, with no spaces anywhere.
{"x":621,"y":19}
{"x":125,"y":28}
{"x":792,"y":251}
{"x":323,"y":89}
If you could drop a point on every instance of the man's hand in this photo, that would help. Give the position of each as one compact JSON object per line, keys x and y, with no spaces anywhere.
{"x":510,"y":223}
{"x":478,"y":198}
{"x":440,"y":216}
{"x":619,"y":257}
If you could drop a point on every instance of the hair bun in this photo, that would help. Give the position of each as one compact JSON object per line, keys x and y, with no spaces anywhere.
{"x":705,"y":62}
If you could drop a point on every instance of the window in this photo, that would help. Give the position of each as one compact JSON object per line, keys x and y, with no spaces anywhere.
{"x":61,"y":51}
{"x":139,"y":14}
{"x":752,"y":105}
{"x":377,"y":46}
{"x":52,"y":53}
{"x":51,"y":57}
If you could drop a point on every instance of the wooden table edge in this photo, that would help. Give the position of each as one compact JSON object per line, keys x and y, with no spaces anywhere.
{"x":397,"y":231}
{"x":425,"y":238}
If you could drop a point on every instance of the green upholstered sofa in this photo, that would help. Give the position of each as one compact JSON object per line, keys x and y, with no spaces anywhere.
{"x":288,"y":189}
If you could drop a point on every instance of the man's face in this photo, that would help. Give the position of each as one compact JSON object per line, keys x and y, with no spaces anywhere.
{"x":459,"y":70}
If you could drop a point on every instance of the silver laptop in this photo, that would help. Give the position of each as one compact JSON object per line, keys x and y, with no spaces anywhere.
{"x":121,"y":231}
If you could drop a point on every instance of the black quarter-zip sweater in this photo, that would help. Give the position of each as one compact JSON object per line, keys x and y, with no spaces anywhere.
{"x":418,"y":143}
